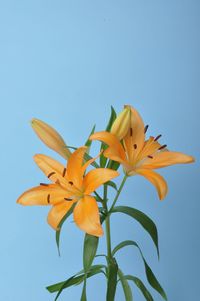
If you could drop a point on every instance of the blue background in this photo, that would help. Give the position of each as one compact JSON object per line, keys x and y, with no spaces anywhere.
{"x":66,"y":62}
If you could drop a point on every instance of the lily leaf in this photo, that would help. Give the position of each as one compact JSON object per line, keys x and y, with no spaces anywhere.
{"x":112,"y":279}
{"x":141,"y":286}
{"x":60,"y":227}
{"x":89,"y":142}
{"x":83,"y":295}
{"x":150,"y":275}
{"x":143,"y":219}
{"x":126,"y":287}
{"x":89,"y":250}
{"x":112,"y":184}
{"x":113,"y":116}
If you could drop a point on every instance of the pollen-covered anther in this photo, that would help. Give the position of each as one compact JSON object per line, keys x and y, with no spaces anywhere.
{"x":44,"y":184}
{"x":48,"y":198}
{"x":146,"y":128}
{"x":150,"y":157}
{"x":71,"y":183}
{"x":135,"y":146}
{"x":66,"y":199}
{"x":162,"y":147}
{"x":158,"y":137}
{"x":64,"y":172}
{"x":51,"y":174}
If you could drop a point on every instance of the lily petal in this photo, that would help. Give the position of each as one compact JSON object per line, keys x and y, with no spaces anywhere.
{"x":90,"y":161}
{"x":75,"y":165}
{"x":97,"y":177}
{"x":86,"y":216}
{"x":157,"y":180}
{"x":43,"y":195}
{"x":167,"y":158}
{"x":53,"y":169}
{"x":57,"y":212}
{"x":115,"y":150}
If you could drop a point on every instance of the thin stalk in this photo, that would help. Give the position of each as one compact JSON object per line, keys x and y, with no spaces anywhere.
{"x":107,"y":221}
{"x":118,"y":193}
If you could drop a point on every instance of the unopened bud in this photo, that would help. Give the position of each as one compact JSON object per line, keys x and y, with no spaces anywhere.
{"x":50,"y":137}
{"x":121,"y":124}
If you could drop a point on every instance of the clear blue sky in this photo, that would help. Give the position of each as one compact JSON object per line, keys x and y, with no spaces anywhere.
{"x":66,"y":62}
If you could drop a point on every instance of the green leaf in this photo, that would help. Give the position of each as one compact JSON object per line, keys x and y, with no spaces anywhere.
{"x":75,"y":280}
{"x":125,"y":285}
{"x":143,"y":219}
{"x":112,"y":184}
{"x":113,"y":116}
{"x":60,"y":227}
{"x":150,"y":276}
{"x":89,"y":250}
{"x":83,"y":295}
{"x":89,"y":142}
{"x":113,"y":165}
{"x":141,"y":286}
{"x":112,"y":279}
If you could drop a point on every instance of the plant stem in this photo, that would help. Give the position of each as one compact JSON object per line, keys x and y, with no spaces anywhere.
{"x":107,"y":221}
{"x":118,"y":193}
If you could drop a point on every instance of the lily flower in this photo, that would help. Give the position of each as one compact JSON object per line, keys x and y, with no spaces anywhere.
{"x":50,"y":137}
{"x":70,"y":186}
{"x":138,"y":155}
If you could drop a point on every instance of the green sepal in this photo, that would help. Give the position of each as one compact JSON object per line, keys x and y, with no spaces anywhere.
{"x":60,"y":227}
{"x":141,"y":286}
{"x":126,"y":288}
{"x":150,"y":275}
{"x":112,"y":279}
{"x":143,"y":219}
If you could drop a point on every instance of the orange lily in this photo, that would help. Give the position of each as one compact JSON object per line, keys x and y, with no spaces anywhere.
{"x":70,"y":186}
{"x":140,"y":156}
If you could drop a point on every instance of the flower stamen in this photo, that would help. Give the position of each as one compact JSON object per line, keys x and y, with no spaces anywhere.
{"x":44,"y":184}
{"x":158,"y":137}
{"x":64,"y":172}
{"x":51,"y":174}
{"x":146,"y":128}
{"x":163,"y":146}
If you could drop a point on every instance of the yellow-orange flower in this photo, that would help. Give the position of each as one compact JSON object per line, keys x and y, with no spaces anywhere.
{"x":50,"y":137}
{"x":70,"y":186}
{"x":140,"y":156}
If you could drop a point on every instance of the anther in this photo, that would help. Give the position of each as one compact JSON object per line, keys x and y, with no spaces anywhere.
{"x":44,"y":184}
{"x":146,"y":128}
{"x":70,"y":182}
{"x":163,"y":146}
{"x":64,"y":172}
{"x":66,"y":199}
{"x":135,"y":146}
{"x":150,"y":157}
{"x":51,"y":174}
{"x":131,"y":132}
{"x":48,"y":198}
{"x":158,"y":137}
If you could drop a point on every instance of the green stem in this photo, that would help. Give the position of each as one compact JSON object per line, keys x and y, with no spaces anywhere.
{"x":118,"y":193}
{"x":107,"y":221}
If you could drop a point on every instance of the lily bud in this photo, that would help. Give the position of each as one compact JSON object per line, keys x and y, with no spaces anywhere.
{"x":50,"y":137}
{"x":121,"y":124}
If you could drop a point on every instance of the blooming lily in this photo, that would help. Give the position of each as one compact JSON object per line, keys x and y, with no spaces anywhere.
{"x":140,"y":156}
{"x":70,"y":187}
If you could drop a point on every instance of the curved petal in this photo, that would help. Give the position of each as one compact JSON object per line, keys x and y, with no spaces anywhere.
{"x":97,"y":177}
{"x":53,"y":169}
{"x":115,"y":150}
{"x":157,"y":180}
{"x":167,"y":158}
{"x":90,"y":161}
{"x":86,"y":216}
{"x":43,"y":195}
{"x":75,"y":165}
{"x":57,"y":212}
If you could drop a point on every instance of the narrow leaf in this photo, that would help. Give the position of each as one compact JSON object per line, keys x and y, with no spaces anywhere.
{"x":112,"y":184}
{"x":150,"y":276}
{"x":143,"y":219}
{"x":83,"y":295}
{"x":89,"y":142}
{"x":141,"y":286}
{"x":60,"y":227}
{"x":125,"y":285}
{"x":112,"y":279}
{"x":89,"y":250}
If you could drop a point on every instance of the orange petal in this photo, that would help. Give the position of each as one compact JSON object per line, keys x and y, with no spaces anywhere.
{"x":86,"y":216}
{"x":43,"y":195}
{"x":115,"y":150}
{"x":157,"y":180}
{"x":167,"y":158}
{"x":75,"y":166}
{"x":54,"y":170}
{"x":57,"y":212}
{"x":85,"y":166}
{"x":97,"y":177}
